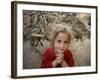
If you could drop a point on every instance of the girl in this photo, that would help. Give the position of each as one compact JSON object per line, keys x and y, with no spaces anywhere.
{"x":58,"y":55}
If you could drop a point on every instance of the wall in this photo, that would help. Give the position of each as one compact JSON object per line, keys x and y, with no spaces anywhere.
{"x":5,"y":41}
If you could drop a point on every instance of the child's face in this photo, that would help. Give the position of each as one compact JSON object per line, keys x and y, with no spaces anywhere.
{"x":61,"y":42}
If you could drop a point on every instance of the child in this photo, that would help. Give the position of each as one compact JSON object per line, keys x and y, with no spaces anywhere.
{"x":59,"y":55}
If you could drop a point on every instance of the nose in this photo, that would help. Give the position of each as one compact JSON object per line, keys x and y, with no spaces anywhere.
{"x":62,"y":45}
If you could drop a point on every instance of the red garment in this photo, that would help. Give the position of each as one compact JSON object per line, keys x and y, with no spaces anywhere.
{"x":49,"y":56}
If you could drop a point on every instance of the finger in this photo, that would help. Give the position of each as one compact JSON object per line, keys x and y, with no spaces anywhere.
{"x":61,"y":55}
{"x":60,"y":60}
{"x":59,"y":51}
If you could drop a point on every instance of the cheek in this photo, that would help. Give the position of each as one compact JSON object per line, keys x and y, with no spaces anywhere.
{"x":55,"y":44}
{"x":66,"y":46}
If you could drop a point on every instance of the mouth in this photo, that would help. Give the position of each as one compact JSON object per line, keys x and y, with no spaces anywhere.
{"x":60,"y":50}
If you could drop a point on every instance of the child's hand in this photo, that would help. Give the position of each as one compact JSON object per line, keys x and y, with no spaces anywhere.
{"x":59,"y":58}
{"x":58,"y":51}
{"x":64,"y":64}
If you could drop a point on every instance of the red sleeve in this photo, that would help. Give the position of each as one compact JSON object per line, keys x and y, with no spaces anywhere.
{"x":47,"y":59}
{"x":69,"y":58}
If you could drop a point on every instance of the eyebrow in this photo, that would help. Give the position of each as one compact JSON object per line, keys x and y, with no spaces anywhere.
{"x":61,"y":40}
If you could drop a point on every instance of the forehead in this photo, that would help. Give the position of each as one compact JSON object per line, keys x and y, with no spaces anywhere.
{"x":62,"y":36}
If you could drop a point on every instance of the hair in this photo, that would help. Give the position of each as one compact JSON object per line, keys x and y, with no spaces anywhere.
{"x":56,"y":32}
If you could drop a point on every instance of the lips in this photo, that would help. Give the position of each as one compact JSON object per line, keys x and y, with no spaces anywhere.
{"x":60,"y":50}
